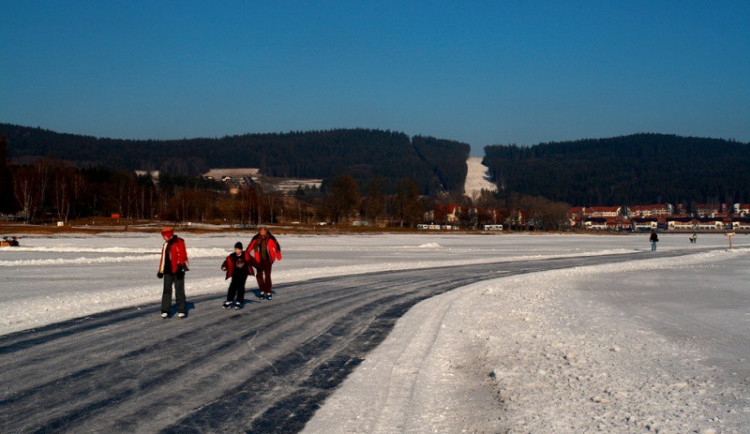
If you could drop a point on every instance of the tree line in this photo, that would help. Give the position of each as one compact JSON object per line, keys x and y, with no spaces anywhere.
{"x":54,"y":190}
{"x":50,"y":190}
{"x":434,"y":164}
{"x":627,"y":170}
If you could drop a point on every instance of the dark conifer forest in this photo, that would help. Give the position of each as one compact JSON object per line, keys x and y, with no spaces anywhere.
{"x":627,"y":170}
{"x":434,"y":164}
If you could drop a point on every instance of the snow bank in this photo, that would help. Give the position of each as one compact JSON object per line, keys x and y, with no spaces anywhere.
{"x":537,"y":353}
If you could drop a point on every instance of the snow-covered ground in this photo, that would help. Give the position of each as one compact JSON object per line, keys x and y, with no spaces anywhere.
{"x":477,"y":178}
{"x":660,"y":343}
{"x":49,"y":279}
{"x":645,"y":346}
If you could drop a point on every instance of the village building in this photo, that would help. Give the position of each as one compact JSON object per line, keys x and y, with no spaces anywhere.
{"x":710,"y":224}
{"x":237,"y":178}
{"x":684,"y":223}
{"x":741,"y":224}
{"x":644,"y":211}
{"x":644,"y":224}
{"x":602,"y":211}
{"x":707,"y":211}
{"x":741,"y":209}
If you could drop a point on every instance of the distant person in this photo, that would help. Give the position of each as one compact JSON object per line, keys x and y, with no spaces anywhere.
{"x":172,"y":267}
{"x":10,"y":242}
{"x":654,"y":239}
{"x":264,"y":249}
{"x":237,"y":269}
{"x":694,"y":238}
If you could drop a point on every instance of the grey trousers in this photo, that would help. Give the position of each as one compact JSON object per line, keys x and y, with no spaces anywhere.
{"x":179,"y":293}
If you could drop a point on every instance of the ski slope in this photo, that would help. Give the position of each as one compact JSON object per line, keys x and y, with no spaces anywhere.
{"x":477,"y":177}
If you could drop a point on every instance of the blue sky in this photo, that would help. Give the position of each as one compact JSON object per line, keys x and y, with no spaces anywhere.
{"x":481,"y":72}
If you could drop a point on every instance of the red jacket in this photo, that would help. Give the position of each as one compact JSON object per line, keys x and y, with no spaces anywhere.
{"x":274,"y":250}
{"x":175,"y":250}
{"x":229,"y":265}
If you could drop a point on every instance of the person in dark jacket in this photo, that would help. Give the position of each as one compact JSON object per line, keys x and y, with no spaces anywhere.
{"x":237,"y":269}
{"x":172,"y":267}
{"x":654,"y":239}
{"x":264,"y":249}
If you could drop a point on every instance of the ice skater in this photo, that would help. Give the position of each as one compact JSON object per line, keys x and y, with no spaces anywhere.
{"x":172,"y":267}
{"x":264,"y":249}
{"x":654,"y":239}
{"x":237,"y":269}
{"x":694,"y":238}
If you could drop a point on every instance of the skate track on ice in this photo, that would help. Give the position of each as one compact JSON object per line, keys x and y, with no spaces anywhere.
{"x":265,"y":368}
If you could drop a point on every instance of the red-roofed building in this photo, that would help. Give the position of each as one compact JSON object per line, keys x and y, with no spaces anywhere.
{"x":742,"y":209}
{"x":651,"y":210}
{"x":602,"y":211}
{"x":644,"y":224}
{"x":682,"y":223}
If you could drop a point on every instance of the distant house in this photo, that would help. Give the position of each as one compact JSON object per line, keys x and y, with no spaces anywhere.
{"x":602,"y":211}
{"x":741,"y":224}
{"x":742,"y":209}
{"x":651,"y":210}
{"x":706,"y":211}
{"x":576,"y":212}
{"x":443,"y":214}
{"x":452,"y":213}
{"x":682,"y":224}
{"x":595,"y":223}
{"x":644,"y":224}
{"x":710,"y":224}
{"x":604,"y":223}
{"x":237,"y":178}
{"x":226,"y":174}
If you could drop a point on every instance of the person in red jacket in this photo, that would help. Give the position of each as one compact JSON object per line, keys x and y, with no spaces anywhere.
{"x":237,"y":269}
{"x":264,"y":249}
{"x":172,"y":267}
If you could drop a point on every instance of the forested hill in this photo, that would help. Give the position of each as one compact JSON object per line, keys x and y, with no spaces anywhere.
{"x":434,"y":164}
{"x":627,"y":170}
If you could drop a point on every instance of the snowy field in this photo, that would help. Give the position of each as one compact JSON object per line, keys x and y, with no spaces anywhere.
{"x":659,"y":344}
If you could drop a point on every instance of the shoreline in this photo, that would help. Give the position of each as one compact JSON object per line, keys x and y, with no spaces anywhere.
{"x":154,"y":226}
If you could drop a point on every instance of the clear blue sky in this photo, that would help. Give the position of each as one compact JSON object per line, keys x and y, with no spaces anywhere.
{"x":481,"y":72}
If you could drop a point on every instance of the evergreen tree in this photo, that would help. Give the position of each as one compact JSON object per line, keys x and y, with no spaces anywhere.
{"x":7,"y":199}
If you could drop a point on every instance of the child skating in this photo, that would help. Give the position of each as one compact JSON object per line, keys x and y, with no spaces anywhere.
{"x":237,"y":269}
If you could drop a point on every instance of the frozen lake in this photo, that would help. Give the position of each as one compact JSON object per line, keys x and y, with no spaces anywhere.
{"x":654,"y":342}
{"x":53,"y":278}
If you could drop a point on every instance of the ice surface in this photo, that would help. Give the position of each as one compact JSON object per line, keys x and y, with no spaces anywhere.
{"x":643,"y":346}
{"x":50,"y":279}
{"x":660,"y":343}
